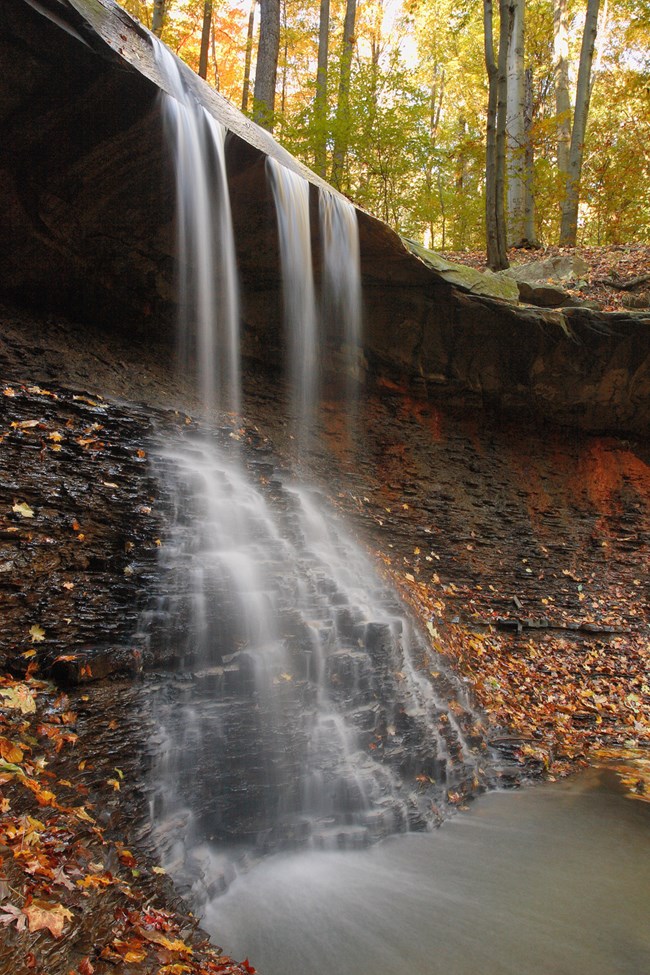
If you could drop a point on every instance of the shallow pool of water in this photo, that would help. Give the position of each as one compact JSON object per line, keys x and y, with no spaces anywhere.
{"x":551,"y":880}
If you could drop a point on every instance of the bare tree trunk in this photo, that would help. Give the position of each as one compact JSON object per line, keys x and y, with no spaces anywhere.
{"x":495,"y":231}
{"x":530,"y":236}
{"x":215,"y":64}
{"x":505,"y":27}
{"x":343,"y":108}
{"x":562,"y":99}
{"x":249,"y":57}
{"x":158,"y":18}
{"x":491,"y":235}
{"x":285,"y":58}
{"x":569,"y":226}
{"x":205,"y":39}
{"x":515,"y":126}
{"x":320,"y":101}
{"x":267,"y":63}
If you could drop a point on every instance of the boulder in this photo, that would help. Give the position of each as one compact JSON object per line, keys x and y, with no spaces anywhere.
{"x":557,"y":270}
{"x":546,"y":295}
{"x":501,"y":285}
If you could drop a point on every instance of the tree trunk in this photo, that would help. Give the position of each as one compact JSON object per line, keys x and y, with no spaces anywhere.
{"x":267,"y":63}
{"x":515,"y":126}
{"x":494,"y":143}
{"x":569,"y":227}
{"x":505,"y":27}
{"x":285,"y":59}
{"x":320,"y":101}
{"x":205,"y":39}
{"x":343,"y":108}
{"x":158,"y":18}
{"x":248,"y":58}
{"x":562,"y":99}
{"x":530,"y":237}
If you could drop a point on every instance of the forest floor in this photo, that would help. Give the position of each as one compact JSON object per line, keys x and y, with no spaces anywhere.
{"x":612,"y":269}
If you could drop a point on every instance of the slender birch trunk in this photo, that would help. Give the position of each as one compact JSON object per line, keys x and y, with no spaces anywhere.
{"x":515,"y":127}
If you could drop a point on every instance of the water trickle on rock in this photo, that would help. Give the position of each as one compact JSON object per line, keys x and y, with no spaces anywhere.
{"x":299,"y":713}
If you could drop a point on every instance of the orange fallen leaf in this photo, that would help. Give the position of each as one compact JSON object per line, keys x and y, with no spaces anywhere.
{"x":42,"y":915}
{"x":10,"y":751}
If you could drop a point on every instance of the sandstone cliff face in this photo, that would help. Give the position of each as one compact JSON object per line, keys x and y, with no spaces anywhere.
{"x":87,"y":228}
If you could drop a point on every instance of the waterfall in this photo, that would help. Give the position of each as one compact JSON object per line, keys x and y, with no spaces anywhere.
{"x":291,"y":195}
{"x":207,"y":274}
{"x":299,"y":712}
{"x":341,"y":284}
{"x":339,"y":321}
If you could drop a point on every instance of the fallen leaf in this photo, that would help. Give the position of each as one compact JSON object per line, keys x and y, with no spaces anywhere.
{"x":42,"y":915}
{"x":12,"y":914}
{"x":10,"y":751}
{"x":19,"y":698}
{"x":127,"y":858}
{"x":156,"y":937}
{"x":37,"y":633}
{"x":23,"y":510}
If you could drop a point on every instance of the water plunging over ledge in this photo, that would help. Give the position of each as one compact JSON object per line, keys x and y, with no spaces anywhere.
{"x":304,"y":710}
{"x":208,"y":326}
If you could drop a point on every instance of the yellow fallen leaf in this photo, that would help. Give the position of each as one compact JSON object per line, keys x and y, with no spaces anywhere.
{"x":19,"y":698}
{"x":23,"y":510}
{"x":37,"y":633}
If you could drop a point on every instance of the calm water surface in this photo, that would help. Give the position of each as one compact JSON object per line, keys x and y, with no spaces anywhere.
{"x":552,"y":880}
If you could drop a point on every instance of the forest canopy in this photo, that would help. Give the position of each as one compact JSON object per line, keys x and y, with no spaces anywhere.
{"x":389,"y":101}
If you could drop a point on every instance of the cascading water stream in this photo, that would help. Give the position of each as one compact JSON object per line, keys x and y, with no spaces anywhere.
{"x":299,"y":712}
{"x":341,"y":285}
{"x":300,"y":702}
{"x":207,"y":272}
{"x":291,"y":195}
